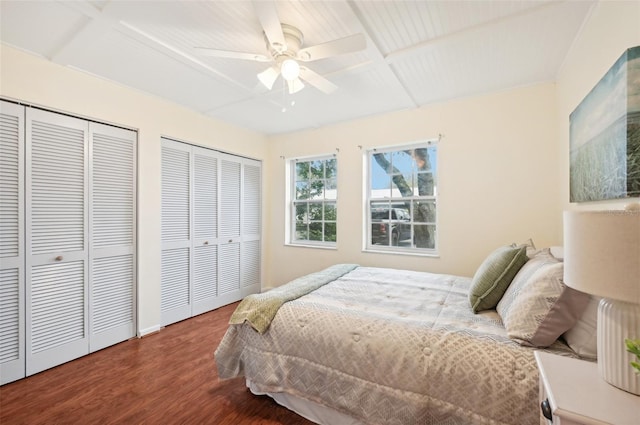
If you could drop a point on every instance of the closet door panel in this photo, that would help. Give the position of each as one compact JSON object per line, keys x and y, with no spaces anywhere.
{"x":230,"y":187}
{"x":205,"y":230}
{"x":112,"y":222}
{"x":250,"y":260}
{"x":56,"y":239}
{"x":58,"y":315}
{"x":205,"y":195}
{"x":12,"y":273}
{"x":205,"y":279}
{"x":176,"y":296}
{"x":175,"y":289}
{"x":251,"y":227}
{"x":230,"y":220}
{"x":251,"y":201}
{"x":229,"y":273}
{"x":112,"y":301}
{"x":12,"y":358}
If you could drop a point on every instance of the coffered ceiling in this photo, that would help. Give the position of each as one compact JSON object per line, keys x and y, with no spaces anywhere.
{"x":417,"y":52}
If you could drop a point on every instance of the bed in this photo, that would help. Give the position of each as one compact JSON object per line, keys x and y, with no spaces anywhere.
{"x":366,"y":345}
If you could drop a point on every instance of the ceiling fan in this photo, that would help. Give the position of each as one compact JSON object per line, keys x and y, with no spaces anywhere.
{"x":284,"y":49}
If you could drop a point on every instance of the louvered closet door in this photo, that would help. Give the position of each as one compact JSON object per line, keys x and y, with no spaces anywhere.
{"x":12,"y":341}
{"x":56,"y":237}
{"x":229,"y":259}
{"x":251,"y":227}
{"x":205,"y":230}
{"x":176,"y":297}
{"x":112,"y":268}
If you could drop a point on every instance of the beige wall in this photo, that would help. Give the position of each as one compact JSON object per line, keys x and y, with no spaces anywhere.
{"x":33,"y":80}
{"x":504,"y":162}
{"x":498,"y":182}
{"x":503,"y":158}
{"x":612,"y":27}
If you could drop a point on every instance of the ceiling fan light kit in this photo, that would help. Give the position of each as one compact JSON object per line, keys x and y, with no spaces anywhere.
{"x":290,"y":69}
{"x":284,"y":46}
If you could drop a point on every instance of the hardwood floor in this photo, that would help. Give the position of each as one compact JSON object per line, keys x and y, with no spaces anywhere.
{"x":165,"y":378}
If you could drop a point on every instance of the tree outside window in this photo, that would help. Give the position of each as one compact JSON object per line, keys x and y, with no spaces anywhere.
{"x":314,"y":203}
{"x":402,"y":198}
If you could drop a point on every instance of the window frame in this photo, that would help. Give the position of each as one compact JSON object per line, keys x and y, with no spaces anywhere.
{"x":368,"y":200}
{"x":292,"y":202}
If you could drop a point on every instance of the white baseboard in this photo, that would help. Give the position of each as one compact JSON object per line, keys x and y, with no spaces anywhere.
{"x":149,"y":330}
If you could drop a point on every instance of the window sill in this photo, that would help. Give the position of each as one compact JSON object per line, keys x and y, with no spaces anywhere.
{"x":409,"y":253}
{"x":310,"y":245}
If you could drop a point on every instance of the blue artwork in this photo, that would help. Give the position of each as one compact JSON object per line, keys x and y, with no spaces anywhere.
{"x":605,"y":135}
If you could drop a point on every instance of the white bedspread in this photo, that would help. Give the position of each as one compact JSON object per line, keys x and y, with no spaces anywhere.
{"x":391,"y":346}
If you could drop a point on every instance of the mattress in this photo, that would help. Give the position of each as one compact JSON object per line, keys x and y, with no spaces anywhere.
{"x":387,"y":346}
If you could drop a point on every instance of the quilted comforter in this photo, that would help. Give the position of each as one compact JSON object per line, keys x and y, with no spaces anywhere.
{"x":390,"y":346}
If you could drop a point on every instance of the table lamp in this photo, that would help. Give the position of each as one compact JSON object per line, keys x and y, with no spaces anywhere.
{"x":602,"y":258}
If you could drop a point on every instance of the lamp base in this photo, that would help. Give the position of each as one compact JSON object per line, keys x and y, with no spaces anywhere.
{"x":618,"y":320}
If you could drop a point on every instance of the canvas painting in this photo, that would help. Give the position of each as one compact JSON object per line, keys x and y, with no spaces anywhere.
{"x":605,"y":135}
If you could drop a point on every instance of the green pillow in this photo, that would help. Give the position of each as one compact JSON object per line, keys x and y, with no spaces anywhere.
{"x":494,"y":276}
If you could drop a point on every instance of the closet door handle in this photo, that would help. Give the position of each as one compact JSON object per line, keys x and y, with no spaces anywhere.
{"x":58,"y":258}
{"x":230,"y":240}
{"x":206,"y":242}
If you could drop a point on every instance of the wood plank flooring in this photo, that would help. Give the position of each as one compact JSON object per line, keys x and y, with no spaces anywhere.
{"x":165,"y":378}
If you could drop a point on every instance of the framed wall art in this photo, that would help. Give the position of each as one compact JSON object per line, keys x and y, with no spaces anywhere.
{"x":605,"y":135}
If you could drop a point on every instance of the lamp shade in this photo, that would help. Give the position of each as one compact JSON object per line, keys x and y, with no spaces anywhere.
{"x":602,"y":253}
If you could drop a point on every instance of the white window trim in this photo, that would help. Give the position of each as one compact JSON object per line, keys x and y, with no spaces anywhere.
{"x":367,"y":246}
{"x":289,"y":204}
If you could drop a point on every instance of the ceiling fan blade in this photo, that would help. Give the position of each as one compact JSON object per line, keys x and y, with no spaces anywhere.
{"x":268,"y":17}
{"x":269,"y":76}
{"x":317,"y":81}
{"x":295,"y":85}
{"x":350,"y":44}
{"x":205,"y":51}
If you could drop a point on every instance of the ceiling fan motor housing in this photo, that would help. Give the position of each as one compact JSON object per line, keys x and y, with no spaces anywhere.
{"x":294,"y":39}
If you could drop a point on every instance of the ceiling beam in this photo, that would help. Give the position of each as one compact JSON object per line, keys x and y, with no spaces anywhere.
{"x":378,"y":58}
{"x":108,"y":19}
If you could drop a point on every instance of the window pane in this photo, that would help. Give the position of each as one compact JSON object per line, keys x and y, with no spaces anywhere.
{"x":317,"y":169}
{"x":426,"y":184}
{"x":331,"y":168}
{"x":316,"y":189}
{"x":380,"y":179}
{"x":402,"y":162}
{"x":380,"y":217}
{"x":302,"y":232}
{"x":425,"y":236}
{"x":331,"y":189}
{"x":301,"y":212}
{"x":330,"y":232}
{"x":379,"y":234}
{"x":330,"y":212}
{"x":424,"y":211}
{"x":315,"y":211}
{"x":302,"y":171}
{"x":302,"y":190}
{"x":315,"y":231}
{"x":379,"y":211}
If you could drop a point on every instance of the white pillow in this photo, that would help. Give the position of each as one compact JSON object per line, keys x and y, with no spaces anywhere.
{"x":542,"y":307}
{"x":583,"y":336}
{"x":557,"y":252}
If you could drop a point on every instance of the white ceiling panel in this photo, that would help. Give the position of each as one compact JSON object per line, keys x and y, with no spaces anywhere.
{"x":41,"y":27}
{"x":127,"y":61}
{"x":417,"y":52}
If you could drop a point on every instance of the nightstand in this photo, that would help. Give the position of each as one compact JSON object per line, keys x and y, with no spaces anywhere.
{"x":576,"y":394}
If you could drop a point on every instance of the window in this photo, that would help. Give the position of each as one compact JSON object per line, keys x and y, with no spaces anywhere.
{"x":401,"y":199}
{"x":313,"y":207}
